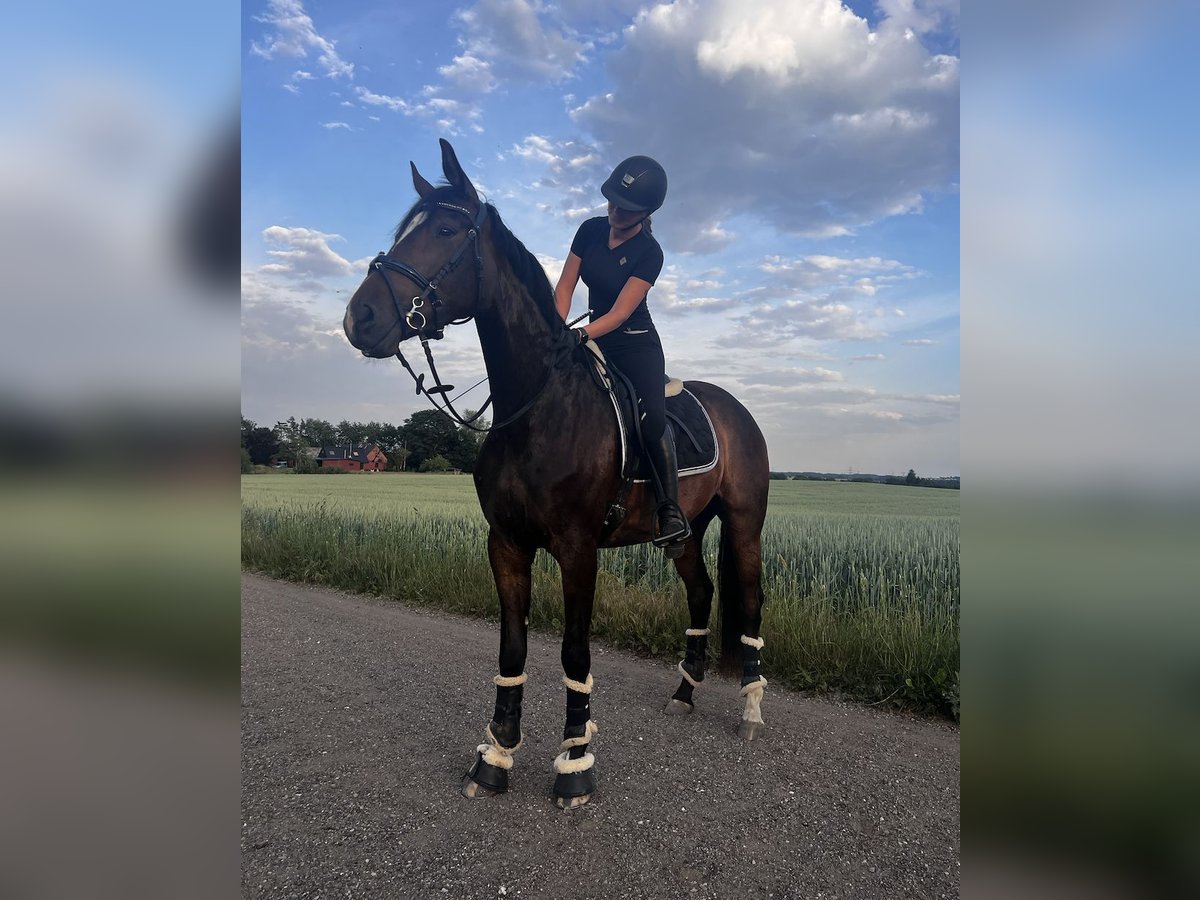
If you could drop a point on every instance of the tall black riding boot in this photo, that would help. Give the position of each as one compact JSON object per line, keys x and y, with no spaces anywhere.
{"x":673,"y":528}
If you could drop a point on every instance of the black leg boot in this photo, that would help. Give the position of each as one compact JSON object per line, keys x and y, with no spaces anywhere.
{"x":673,"y":527}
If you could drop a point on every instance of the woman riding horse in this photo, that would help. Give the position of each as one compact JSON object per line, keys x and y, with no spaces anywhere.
{"x":548,"y":472}
{"x":619,"y":260}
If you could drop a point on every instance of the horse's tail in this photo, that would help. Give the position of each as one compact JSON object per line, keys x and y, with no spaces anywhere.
{"x":733,"y":615}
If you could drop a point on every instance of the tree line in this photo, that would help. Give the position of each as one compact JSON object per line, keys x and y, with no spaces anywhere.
{"x":427,"y":441}
{"x":912,"y":479}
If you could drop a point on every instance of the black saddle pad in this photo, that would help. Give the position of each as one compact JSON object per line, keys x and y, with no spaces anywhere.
{"x":695,"y":441}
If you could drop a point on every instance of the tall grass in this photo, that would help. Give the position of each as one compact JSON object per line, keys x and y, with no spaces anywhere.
{"x":861,"y":580}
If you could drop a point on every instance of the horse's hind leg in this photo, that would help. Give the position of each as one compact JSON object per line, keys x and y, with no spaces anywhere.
{"x":699,"y":586}
{"x":511,"y":567}
{"x":740,"y":563}
{"x":574,"y":776}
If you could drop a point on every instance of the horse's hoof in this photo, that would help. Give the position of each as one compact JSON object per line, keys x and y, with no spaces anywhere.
{"x":572,"y":789}
{"x":748,"y":731}
{"x":678,"y":708}
{"x":473,"y":790}
{"x":572,"y":802}
{"x":483,"y":779}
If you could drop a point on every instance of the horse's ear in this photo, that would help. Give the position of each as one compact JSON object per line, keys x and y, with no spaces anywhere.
{"x":424,"y":188}
{"x":454,"y":173}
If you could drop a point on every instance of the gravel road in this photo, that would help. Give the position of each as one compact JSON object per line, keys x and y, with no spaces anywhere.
{"x":360,"y":716}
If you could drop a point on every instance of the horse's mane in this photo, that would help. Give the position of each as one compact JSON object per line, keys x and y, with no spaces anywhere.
{"x":524,"y":264}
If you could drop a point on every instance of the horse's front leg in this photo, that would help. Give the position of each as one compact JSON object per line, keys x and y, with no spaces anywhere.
{"x":691,"y":568}
{"x":574,"y":775}
{"x":511,"y":567}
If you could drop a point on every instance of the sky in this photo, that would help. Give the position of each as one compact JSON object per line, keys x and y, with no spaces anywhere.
{"x":810,"y":231}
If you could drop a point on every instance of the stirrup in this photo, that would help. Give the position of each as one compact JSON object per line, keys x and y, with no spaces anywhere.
{"x":679,"y":536}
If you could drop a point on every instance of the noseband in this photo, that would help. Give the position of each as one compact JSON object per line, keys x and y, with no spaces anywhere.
{"x":418,"y":323}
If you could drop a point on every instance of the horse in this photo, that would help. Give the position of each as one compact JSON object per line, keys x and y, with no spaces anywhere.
{"x":549,"y":468}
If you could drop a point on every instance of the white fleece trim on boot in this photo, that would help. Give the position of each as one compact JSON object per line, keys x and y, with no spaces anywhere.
{"x":582,"y":687}
{"x":510,"y":680}
{"x":495,"y":756}
{"x":565,"y":766}
{"x":495,"y":743}
{"x":756,"y":643}
{"x":590,"y":731}
{"x":753,"y":692}
{"x":697,"y":632}
{"x":688,"y":678}
{"x":761,"y":683}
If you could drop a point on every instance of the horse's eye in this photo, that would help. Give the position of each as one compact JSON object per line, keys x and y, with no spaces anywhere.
{"x":446,"y":232}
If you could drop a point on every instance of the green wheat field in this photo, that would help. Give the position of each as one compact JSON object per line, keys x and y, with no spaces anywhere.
{"x":861,"y":580}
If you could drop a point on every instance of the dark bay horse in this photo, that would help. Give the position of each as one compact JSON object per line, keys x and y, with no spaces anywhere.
{"x":550,"y":467}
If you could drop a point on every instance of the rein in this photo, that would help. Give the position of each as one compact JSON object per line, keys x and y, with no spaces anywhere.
{"x":563,"y":346}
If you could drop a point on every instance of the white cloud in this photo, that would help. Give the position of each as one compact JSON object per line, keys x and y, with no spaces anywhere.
{"x":508,"y":39}
{"x":816,"y":297}
{"x":295,"y":36}
{"x":814,"y":319}
{"x":799,"y":114}
{"x":922,"y":16}
{"x":304,"y":253}
{"x":865,"y":274}
{"x":449,"y":115}
{"x":709,"y":239}
{"x":574,"y":170}
{"x":469,"y":73}
{"x":675,"y":306}
{"x":921,"y":342}
{"x":600,"y":19}
{"x":395,"y":104}
{"x":791,"y":377}
{"x":539,"y":148}
{"x":502,"y":41}
{"x":869,"y":357}
{"x":332,"y":125}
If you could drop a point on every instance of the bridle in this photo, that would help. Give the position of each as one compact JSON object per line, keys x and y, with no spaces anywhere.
{"x":416,"y":319}
{"x":428,"y":327}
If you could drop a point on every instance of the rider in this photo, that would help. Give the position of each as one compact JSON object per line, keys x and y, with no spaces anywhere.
{"x":619,"y":260}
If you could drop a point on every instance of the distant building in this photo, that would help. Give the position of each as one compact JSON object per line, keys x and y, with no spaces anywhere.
{"x":363,"y":458}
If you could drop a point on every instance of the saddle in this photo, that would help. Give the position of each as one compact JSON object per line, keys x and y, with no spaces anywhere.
{"x":695,"y":437}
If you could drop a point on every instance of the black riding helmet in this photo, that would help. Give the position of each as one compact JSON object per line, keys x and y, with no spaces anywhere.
{"x":638,"y":184}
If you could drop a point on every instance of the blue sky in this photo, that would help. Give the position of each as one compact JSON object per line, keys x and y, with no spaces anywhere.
{"x":810,"y":230}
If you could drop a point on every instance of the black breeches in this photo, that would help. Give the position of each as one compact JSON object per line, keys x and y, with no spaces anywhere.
{"x":642,"y":362}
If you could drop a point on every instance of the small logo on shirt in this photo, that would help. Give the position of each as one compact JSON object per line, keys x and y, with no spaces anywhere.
{"x":622,"y":261}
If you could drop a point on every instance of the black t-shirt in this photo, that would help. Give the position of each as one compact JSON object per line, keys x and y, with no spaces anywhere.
{"x":605,"y":271}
